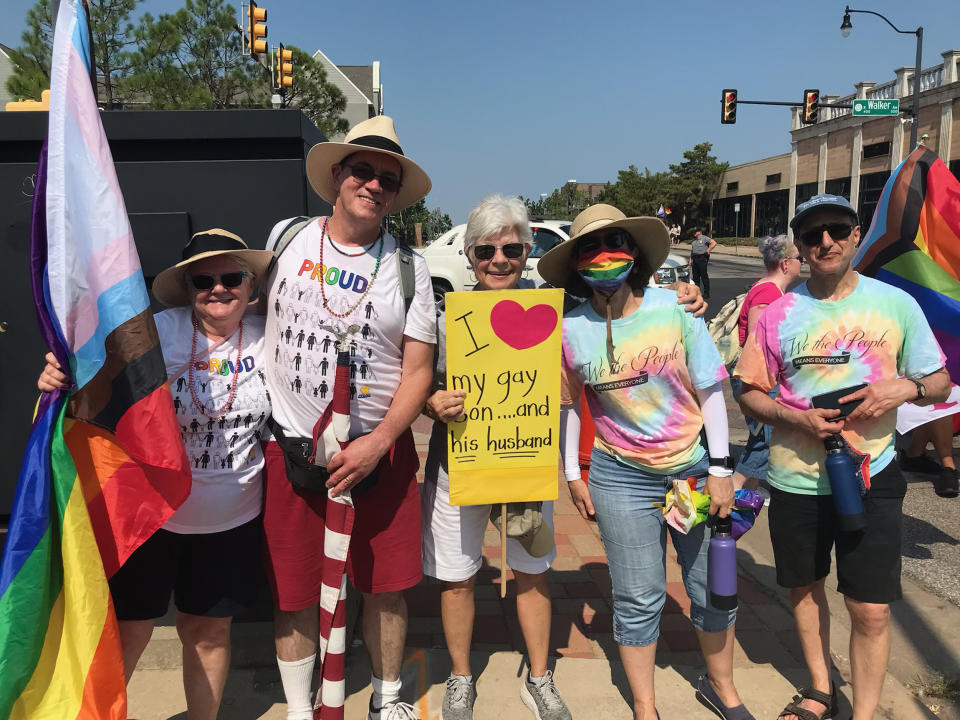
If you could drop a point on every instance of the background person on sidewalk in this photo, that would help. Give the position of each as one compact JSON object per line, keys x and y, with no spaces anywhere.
{"x":347,"y":261}
{"x":837,"y":330}
{"x":649,"y":408}
{"x":783,"y":263}
{"x":700,"y":248}
{"x":496,"y":243}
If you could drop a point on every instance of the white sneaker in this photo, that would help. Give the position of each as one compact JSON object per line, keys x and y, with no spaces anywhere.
{"x":395,"y":710}
{"x":543,"y":700}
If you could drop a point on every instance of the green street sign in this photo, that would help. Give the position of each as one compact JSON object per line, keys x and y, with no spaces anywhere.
{"x":876,"y":107}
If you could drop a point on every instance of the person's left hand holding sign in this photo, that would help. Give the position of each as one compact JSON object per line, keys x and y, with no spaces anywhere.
{"x":446,"y":405}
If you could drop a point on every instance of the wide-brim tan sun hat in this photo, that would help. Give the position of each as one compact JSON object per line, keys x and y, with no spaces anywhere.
{"x":374,"y":135}
{"x":558,"y":266}
{"x":170,"y":287}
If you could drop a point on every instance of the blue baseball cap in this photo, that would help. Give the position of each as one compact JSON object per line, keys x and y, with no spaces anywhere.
{"x":819,"y":202}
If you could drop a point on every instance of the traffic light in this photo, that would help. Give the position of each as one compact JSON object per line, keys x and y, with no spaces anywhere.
{"x":811,"y":106}
{"x":257,"y":29}
{"x":728,"y":107}
{"x":284,"y":67}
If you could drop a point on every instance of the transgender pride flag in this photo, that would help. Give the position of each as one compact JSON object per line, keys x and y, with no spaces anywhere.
{"x":104,"y":466}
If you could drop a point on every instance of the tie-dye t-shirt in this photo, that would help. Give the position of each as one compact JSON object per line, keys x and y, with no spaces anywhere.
{"x":645,"y":405}
{"x":811,"y":347}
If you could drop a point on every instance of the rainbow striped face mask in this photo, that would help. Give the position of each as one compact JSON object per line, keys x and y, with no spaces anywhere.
{"x":604,"y":269}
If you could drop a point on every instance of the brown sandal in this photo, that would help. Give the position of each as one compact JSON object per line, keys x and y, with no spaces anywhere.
{"x":829,"y":701}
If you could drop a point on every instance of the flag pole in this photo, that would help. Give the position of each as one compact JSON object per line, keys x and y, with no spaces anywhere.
{"x":503,"y":550}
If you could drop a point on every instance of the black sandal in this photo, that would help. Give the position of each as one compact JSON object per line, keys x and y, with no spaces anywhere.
{"x":829,"y":701}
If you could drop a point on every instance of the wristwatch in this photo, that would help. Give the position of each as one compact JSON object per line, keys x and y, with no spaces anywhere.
{"x":724,"y":462}
{"x":921,"y":389}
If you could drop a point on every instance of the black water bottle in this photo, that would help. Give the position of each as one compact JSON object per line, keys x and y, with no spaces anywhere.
{"x":722,"y":565}
{"x":844,"y":486}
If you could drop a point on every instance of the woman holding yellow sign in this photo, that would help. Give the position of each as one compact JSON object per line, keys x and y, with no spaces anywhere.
{"x":652,"y":378}
{"x":496,"y":242}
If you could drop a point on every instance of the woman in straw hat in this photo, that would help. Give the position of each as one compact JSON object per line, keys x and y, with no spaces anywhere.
{"x":208,"y":553}
{"x":652,"y":379}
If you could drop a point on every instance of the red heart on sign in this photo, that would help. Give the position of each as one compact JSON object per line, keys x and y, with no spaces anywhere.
{"x":519,"y":328}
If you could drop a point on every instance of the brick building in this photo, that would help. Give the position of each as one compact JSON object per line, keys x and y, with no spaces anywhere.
{"x":842,"y":154}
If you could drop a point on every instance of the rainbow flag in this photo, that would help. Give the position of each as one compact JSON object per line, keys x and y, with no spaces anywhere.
{"x":914,"y":244}
{"x":104,"y":465}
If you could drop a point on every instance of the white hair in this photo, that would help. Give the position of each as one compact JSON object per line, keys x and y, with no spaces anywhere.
{"x":773,"y":248}
{"x":494,"y":215}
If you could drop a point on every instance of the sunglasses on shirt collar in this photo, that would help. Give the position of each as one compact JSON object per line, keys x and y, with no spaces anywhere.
{"x":837,"y":231}
{"x":228,"y":280}
{"x":486,"y":251}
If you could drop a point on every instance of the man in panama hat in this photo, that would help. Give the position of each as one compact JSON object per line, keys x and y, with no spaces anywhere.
{"x":339,"y":277}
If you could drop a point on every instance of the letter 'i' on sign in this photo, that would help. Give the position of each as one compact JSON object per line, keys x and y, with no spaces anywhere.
{"x":728,"y":107}
{"x":811,"y":106}
{"x":284,"y":67}
{"x":257,"y":29}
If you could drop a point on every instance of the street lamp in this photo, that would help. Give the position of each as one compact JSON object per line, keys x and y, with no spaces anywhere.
{"x":846,"y":26}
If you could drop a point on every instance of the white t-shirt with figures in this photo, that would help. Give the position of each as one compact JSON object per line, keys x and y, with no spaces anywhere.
{"x":303,"y":336}
{"x":225,"y":455}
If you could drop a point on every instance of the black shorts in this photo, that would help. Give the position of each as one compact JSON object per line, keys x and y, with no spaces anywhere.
{"x":209,"y":574}
{"x":803,"y":530}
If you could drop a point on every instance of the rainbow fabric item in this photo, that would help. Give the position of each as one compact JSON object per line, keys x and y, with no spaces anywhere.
{"x":645,"y":405}
{"x":104,"y":465}
{"x":914,"y":244}
{"x":811,"y":346}
{"x":605,"y":270}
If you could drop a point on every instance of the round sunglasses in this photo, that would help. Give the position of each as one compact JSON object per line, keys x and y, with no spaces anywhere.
{"x":229,"y":280}
{"x":837,"y":231}
{"x":486,"y":251}
{"x":365,"y":173}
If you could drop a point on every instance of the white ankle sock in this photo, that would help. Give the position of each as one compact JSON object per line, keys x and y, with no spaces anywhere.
{"x":384,"y":691}
{"x":297,"y":676}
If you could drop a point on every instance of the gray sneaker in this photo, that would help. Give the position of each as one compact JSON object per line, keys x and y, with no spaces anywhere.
{"x":458,"y":699}
{"x":543,"y":700}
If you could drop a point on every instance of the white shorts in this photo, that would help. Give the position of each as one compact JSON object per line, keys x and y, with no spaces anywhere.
{"x":453,"y":538}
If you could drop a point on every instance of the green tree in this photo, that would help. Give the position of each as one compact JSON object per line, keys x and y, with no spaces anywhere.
{"x":194,"y":58}
{"x":112,"y":37}
{"x":31,"y":61}
{"x":321,"y":101}
{"x":564,"y":203}
{"x":439,"y":223}
{"x":695,"y":183}
{"x":637,"y":193}
{"x":433,"y":223}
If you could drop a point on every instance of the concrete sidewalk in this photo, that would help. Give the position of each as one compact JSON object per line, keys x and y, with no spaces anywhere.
{"x":589,"y":674}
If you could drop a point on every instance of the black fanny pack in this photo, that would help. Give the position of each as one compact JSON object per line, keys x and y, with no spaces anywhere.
{"x":302,"y":473}
{"x":297,"y":452}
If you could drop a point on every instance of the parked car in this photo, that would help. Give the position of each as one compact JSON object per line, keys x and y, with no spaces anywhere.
{"x":450,"y":270}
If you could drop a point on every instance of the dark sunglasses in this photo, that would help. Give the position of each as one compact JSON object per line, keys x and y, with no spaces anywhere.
{"x":616,"y":240}
{"x":228,"y":280}
{"x":364,"y":173}
{"x":838,"y":231}
{"x":486,"y":251}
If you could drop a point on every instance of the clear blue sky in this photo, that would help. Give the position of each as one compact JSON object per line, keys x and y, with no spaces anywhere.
{"x":518,"y":97}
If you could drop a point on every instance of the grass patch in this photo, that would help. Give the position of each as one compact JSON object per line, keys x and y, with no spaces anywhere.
{"x":742,"y":242}
{"x":937,"y":685}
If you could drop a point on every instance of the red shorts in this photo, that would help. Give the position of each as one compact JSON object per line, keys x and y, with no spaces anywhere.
{"x":385,"y":545}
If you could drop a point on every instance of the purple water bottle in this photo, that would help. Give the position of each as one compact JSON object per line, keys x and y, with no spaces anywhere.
{"x":844,"y":486}
{"x":722,"y":565}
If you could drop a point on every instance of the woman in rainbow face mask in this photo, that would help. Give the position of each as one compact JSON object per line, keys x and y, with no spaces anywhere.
{"x":652,"y":379}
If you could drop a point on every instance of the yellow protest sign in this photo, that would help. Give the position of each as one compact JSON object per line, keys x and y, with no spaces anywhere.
{"x":503,"y":349}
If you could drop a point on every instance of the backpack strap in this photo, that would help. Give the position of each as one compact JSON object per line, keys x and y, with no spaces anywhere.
{"x":292,"y":229}
{"x":408,"y":279}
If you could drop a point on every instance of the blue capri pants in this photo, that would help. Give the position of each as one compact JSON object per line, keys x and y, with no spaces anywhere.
{"x":634,"y":534}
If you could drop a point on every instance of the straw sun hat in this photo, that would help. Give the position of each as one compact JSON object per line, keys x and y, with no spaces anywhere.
{"x":375,"y":135}
{"x":170,"y":288}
